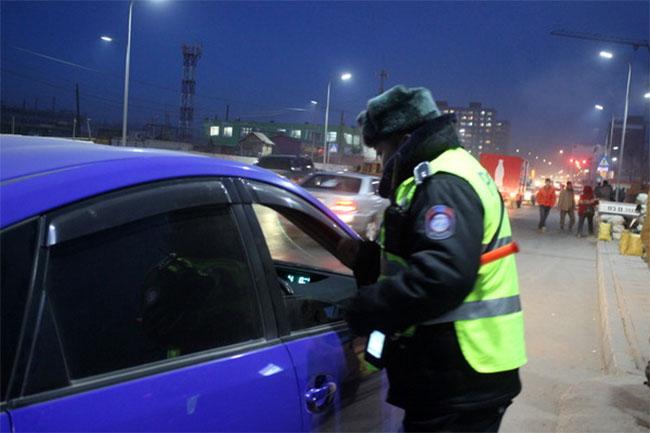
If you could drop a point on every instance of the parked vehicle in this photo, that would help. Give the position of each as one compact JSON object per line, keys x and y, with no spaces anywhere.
{"x":353,"y":197}
{"x":292,"y":167}
{"x":149,"y":290}
{"x":509,"y":173}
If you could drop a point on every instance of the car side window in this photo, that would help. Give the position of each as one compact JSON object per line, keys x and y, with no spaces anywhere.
{"x":17,"y":248}
{"x":153,"y":289}
{"x":375,"y":187}
{"x":310,"y":298}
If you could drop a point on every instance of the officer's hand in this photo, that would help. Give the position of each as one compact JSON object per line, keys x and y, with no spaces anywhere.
{"x":347,"y":251}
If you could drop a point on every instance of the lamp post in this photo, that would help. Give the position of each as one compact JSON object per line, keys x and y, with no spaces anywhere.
{"x":608,"y":55}
{"x":126,"y":76}
{"x":344,"y":77}
{"x":620,"y":155}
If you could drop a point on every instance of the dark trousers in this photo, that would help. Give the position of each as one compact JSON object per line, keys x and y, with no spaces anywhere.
{"x":572,"y":218}
{"x":482,"y":420}
{"x":590,"y":222}
{"x":543,"y":214}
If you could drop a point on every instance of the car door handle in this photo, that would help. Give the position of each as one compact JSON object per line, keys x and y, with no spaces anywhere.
{"x":318,"y":399}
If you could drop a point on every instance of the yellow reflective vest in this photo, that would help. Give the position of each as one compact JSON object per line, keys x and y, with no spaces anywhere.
{"x":489,"y":323}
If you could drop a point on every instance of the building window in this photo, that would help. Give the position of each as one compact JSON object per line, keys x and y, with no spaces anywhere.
{"x":331,"y":136}
{"x":489,"y":124}
{"x":356,"y":140}
{"x":214,"y":131}
{"x":227,"y":131}
{"x":470,"y":124}
{"x":483,"y":112}
{"x":296,"y":133}
{"x":482,"y":124}
{"x":282,"y":130}
{"x":488,"y":141}
{"x":347,"y":137}
{"x":245,"y":131}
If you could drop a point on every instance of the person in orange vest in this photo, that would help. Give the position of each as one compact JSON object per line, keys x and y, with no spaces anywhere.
{"x":545,"y":200}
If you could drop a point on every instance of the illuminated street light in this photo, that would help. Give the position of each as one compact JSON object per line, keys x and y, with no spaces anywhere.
{"x":647,"y":95}
{"x":346,"y":76}
{"x":106,"y":38}
{"x":561,"y":151}
{"x":517,"y":150}
{"x":599,"y":107}
{"x":608,"y":55}
{"x":614,"y":159}
{"x":313,"y":102}
{"x":550,"y":163}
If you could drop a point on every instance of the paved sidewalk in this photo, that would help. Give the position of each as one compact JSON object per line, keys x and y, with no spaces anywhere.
{"x":618,"y":401}
{"x":624,"y":294}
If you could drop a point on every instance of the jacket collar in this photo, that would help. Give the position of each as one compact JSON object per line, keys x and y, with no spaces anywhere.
{"x":427,"y":142}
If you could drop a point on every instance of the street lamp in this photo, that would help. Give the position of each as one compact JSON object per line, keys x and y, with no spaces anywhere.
{"x":126,"y":75}
{"x":344,"y":77}
{"x":647,"y":95}
{"x":106,"y":38}
{"x":599,"y":107}
{"x":608,"y":55}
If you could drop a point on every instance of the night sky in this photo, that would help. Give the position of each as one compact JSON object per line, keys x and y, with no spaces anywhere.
{"x":268,"y":60}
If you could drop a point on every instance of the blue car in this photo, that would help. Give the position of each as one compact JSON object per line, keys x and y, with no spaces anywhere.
{"x":148,"y":290}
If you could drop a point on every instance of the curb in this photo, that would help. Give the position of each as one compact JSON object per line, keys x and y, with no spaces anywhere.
{"x":618,"y":354}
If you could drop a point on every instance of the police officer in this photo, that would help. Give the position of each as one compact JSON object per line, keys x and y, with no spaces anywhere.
{"x":455,"y":327}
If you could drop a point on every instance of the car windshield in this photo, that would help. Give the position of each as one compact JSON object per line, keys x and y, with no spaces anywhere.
{"x":333,"y":183}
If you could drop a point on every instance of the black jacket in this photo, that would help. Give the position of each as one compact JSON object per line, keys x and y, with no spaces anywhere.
{"x":428,"y":371}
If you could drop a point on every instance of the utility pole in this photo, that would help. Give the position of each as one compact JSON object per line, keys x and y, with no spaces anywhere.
{"x":342,"y":117}
{"x":227,"y":112}
{"x":74,"y":128}
{"x":382,"y":77}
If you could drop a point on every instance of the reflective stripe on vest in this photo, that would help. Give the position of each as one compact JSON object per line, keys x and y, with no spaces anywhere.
{"x":489,"y":322}
{"x":479,"y":310}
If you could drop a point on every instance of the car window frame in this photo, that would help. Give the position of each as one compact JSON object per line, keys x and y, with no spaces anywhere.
{"x":31,"y":325}
{"x":257,"y":192}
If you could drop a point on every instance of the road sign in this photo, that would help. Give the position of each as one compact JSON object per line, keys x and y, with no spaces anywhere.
{"x":603,"y":165}
{"x":612,"y":207}
{"x":333,"y":148}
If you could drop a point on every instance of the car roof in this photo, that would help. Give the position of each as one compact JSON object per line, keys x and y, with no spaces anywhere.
{"x":345,"y":174}
{"x":38,"y":174}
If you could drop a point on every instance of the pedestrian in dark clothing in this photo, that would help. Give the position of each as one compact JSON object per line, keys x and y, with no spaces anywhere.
{"x":606,"y":192}
{"x":586,"y":210}
{"x":449,"y":370}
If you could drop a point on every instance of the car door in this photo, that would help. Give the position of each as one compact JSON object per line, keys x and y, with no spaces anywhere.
{"x":147,"y":315}
{"x":339,"y":391}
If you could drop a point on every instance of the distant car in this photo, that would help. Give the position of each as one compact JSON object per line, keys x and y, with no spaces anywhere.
{"x":353,"y":197}
{"x":292,"y":167}
{"x":149,"y":290}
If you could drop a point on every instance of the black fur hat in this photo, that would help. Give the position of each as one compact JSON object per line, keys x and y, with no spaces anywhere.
{"x":399,"y":109}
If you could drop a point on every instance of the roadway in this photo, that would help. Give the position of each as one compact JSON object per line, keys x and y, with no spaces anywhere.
{"x":558,"y":283}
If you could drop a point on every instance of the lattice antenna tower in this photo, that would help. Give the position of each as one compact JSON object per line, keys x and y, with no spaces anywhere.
{"x":191,"y":56}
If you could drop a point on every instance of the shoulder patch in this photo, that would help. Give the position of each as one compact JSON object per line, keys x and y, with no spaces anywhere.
{"x":440,"y":222}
